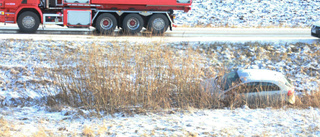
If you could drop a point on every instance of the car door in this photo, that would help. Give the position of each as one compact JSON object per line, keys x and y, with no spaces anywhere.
{"x":251,"y":91}
{"x":234,"y":95}
{"x":270,"y":92}
{"x":259,"y":93}
{"x":238,"y":91}
{"x":263,"y":93}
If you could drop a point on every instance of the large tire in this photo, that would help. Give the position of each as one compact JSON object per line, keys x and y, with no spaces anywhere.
{"x":28,"y":22}
{"x":158,"y":24}
{"x":132,"y":24}
{"x":106,"y":23}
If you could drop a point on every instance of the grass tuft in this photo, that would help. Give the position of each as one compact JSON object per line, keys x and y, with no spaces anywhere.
{"x":88,"y":131}
{"x":4,"y":128}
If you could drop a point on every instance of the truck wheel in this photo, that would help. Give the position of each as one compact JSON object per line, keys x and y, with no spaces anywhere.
{"x":106,"y":23}
{"x":158,"y":24}
{"x":132,"y":24}
{"x":28,"y":22}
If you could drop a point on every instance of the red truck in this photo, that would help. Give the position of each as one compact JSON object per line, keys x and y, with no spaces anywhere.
{"x":105,"y":15}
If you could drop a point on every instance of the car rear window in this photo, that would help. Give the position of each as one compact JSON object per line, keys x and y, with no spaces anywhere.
{"x":288,"y":83}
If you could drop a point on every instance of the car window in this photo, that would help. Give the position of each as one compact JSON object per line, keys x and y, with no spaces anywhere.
{"x":245,"y":88}
{"x":229,"y":80}
{"x":252,"y":87}
{"x":288,"y":83}
{"x":266,"y":86}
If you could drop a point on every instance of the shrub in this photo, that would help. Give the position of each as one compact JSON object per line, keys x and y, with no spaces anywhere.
{"x":125,"y":78}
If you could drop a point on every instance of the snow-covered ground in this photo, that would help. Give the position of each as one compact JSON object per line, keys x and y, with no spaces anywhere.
{"x":34,"y":121}
{"x":251,"y":13}
{"x":23,"y":60}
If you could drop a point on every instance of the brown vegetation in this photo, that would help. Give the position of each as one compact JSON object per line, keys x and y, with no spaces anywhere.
{"x":135,"y":78}
{"x":127,"y":78}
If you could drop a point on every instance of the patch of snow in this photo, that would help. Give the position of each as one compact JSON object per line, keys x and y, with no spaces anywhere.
{"x":220,"y":122}
{"x":250,"y":13}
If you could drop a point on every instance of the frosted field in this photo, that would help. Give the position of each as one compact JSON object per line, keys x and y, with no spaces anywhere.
{"x":251,"y":13}
{"x":23,"y":60}
{"x":33,"y":121}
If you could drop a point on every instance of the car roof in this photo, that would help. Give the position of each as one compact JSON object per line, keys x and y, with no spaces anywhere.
{"x":260,"y":75}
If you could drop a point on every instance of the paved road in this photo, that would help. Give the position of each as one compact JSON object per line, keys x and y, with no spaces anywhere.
{"x":11,"y":31}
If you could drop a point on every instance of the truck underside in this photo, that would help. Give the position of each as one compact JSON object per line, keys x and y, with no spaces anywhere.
{"x":105,"y":15}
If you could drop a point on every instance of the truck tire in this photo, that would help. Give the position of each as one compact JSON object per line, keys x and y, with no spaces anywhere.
{"x":28,"y":22}
{"x":132,"y":24}
{"x":106,"y":23}
{"x":158,"y":24}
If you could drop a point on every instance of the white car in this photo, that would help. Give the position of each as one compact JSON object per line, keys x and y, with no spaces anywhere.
{"x":252,"y":83}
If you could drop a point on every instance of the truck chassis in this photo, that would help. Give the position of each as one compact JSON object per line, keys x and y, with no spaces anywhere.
{"x":104,"y":15}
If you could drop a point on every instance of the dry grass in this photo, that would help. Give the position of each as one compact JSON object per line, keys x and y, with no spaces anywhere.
{"x":44,"y":133}
{"x":256,"y":102}
{"x":126,"y":78}
{"x":133,"y":78}
{"x":88,"y":131}
{"x":309,"y":100}
{"x":4,"y":128}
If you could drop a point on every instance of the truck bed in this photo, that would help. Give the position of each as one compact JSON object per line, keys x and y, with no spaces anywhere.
{"x":143,"y":2}
{"x":172,"y":4}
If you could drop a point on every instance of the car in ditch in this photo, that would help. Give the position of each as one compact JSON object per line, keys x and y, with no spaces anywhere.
{"x":250,"y":85}
{"x":315,"y":30}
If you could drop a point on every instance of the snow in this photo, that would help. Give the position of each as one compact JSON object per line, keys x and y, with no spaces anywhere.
{"x":220,"y":122}
{"x":251,"y":13}
{"x":299,"y":62}
{"x":22,"y":60}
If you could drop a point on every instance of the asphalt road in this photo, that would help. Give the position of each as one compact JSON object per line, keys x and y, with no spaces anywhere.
{"x":52,"y":32}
